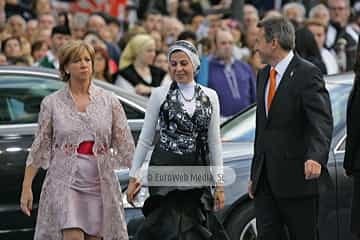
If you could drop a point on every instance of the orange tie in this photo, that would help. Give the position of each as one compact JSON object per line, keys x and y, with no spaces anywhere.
{"x":272,"y":88}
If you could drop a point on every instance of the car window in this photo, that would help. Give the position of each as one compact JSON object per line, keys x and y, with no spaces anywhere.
{"x":20,"y":97}
{"x":339,"y":94}
{"x":341,"y":147}
{"x":242,"y":128}
{"x":131,"y":112}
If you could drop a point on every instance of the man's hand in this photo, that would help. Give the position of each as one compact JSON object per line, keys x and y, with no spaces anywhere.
{"x":251,"y":194}
{"x":312,"y":169}
{"x":219,"y":196}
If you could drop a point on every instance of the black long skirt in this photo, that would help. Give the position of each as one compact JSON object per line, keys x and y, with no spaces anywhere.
{"x":180,"y":215}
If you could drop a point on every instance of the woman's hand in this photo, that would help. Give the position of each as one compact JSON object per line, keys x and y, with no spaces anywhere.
{"x":133,"y":188}
{"x":26,"y":200}
{"x":219,"y":196}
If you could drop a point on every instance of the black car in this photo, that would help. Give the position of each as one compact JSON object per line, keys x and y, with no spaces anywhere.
{"x":24,"y":89}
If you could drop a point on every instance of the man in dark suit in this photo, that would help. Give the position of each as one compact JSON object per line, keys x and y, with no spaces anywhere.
{"x":293,"y":132}
{"x":352,"y":153}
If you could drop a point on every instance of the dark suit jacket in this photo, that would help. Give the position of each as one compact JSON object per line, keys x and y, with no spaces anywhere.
{"x":352,"y":147}
{"x":298,"y":127}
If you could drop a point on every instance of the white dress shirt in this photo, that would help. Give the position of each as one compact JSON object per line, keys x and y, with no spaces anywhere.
{"x":280,"y":70}
{"x":330,"y":61}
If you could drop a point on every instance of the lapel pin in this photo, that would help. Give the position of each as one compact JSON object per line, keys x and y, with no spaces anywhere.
{"x":292,"y":73}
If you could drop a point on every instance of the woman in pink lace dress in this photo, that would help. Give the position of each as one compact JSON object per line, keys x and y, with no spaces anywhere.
{"x":82,"y":137}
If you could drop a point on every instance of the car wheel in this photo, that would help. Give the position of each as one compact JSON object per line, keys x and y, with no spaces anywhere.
{"x":242,"y":224}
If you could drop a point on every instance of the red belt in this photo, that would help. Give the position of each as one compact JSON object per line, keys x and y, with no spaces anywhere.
{"x":86,"y":147}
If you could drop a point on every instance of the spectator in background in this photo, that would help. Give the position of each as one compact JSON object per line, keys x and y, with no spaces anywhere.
{"x":214,"y":22}
{"x":256,"y":62}
{"x":4,"y":33}
{"x":64,"y":18}
{"x":173,"y":9}
{"x":95,"y":40}
{"x":26,"y":50}
{"x":114,"y":27}
{"x":320,"y":13}
{"x":46,"y":21}
{"x":339,"y":29}
{"x":59,"y":36}
{"x":152,"y":21}
{"x":295,"y":12}
{"x":240,"y":52}
{"x":11,"y":47}
{"x":232,"y":79}
{"x":204,"y":48}
{"x":78,"y":26}
{"x":107,"y":35}
{"x":209,"y":26}
{"x":272,"y":13}
{"x":196,"y":22}
{"x":161,"y":62}
{"x":15,"y":7}
{"x":136,"y":72}
{"x":42,"y":35}
{"x":319,"y":31}
{"x":188,"y":36}
{"x":172,"y":28}
{"x":101,"y":65}
{"x":39,"y":7}
{"x":185,"y":11}
{"x":250,"y":37}
{"x":2,"y":11}
{"x":31,"y":29}
{"x":3,"y":59}
{"x":39,"y":50}
{"x":158,"y":40}
{"x":16,"y":26}
{"x":96,"y":23}
{"x":307,"y":48}
{"x":251,"y":16}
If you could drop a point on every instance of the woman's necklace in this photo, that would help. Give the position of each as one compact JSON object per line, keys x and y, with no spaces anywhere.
{"x":187,"y":99}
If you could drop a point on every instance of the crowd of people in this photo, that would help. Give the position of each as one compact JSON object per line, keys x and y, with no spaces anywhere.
{"x":131,"y":53}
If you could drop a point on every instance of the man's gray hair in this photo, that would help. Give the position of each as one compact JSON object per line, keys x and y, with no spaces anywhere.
{"x":347,"y":2}
{"x":296,"y":5}
{"x":318,"y":8}
{"x":281,"y":29}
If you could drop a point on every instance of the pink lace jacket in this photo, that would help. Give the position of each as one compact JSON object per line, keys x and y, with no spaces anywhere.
{"x":54,"y":149}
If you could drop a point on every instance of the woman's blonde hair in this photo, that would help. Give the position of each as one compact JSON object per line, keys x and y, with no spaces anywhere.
{"x":135,"y":46}
{"x":70,"y":51}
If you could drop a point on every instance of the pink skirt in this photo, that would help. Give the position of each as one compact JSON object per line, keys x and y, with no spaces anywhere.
{"x":85,"y":209}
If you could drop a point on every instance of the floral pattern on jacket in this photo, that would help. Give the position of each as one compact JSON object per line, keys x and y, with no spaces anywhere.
{"x":54,"y":148}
